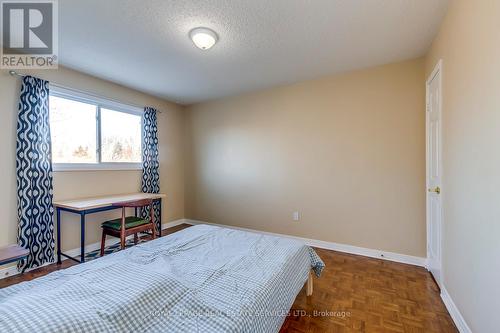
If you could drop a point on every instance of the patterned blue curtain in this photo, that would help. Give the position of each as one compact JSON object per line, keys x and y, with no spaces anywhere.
{"x":34,"y":174}
{"x":150,"y":160}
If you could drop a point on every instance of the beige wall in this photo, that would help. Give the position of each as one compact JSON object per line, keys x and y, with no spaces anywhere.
{"x":346,"y":151}
{"x":91,"y":183}
{"x":469,"y":44}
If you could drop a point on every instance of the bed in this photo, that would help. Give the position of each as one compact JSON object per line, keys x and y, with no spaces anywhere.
{"x":201,"y":279}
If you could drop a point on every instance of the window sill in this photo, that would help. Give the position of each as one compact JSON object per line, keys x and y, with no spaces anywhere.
{"x":65,"y":167}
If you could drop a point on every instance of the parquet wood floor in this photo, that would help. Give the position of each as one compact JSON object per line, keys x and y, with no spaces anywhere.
{"x":369,"y":295}
{"x":354,"y":294}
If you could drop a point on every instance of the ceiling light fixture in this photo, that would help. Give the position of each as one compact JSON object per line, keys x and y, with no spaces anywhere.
{"x":203,"y":38}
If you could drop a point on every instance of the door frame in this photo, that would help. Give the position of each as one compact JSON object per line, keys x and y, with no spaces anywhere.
{"x":438,"y":69}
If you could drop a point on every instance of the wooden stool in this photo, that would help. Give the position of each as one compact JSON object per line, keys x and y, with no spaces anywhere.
{"x":12,"y":253}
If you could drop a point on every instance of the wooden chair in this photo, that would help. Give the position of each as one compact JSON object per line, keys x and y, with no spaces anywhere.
{"x":125,"y":226}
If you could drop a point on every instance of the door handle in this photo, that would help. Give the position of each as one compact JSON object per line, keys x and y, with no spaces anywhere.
{"x":436,"y":190}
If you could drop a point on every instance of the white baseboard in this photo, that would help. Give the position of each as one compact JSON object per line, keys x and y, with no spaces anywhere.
{"x":173,"y":223}
{"x":454,"y":312}
{"x":391,"y":256}
{"x":12,"y":270}
{"x":379,"y":254}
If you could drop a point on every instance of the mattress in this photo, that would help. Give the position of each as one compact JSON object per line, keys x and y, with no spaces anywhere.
{"x":201,"y":279}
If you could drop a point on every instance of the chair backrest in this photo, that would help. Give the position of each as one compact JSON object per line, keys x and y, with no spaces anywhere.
{"x":134,"y":204}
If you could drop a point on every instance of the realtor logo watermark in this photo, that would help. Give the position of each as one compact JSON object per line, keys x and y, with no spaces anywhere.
{"x":29,"y":34}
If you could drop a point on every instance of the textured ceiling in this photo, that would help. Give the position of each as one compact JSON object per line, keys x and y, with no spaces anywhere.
{"x":263,"y":43}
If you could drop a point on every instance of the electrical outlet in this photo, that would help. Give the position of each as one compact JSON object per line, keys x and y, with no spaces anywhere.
{"x":296,"y":216}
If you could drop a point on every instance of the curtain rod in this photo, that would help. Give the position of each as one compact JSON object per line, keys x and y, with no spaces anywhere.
{"x":14,"y":73}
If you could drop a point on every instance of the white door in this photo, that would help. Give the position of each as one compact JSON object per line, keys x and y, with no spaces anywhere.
{"x":434,"y":173}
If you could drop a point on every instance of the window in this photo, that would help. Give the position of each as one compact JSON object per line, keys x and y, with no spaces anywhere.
{"x":73,"y":131}
{"x":90,"y":133}
{"x":120,"y":137}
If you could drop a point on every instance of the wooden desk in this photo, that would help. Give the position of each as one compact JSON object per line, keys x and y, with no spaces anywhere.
{"x":86,"y":206}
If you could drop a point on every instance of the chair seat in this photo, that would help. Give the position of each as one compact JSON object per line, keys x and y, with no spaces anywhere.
{"x":130,"y":222}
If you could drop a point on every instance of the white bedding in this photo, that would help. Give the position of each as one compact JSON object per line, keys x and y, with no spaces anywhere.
{"x":200,"y":279}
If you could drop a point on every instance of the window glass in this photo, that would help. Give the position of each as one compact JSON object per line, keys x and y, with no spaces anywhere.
{"x":120,"y":137}
{"x":73,"y":131}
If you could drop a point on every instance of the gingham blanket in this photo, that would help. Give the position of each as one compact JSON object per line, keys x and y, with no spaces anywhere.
{"x":201,"y":279}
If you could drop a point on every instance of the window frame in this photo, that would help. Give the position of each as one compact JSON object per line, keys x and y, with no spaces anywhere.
{"x":100,"y":103}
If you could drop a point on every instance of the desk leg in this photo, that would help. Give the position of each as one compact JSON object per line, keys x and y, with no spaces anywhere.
{"x":58,"y":214}
{"x":159,"y":219}
{"x":82,"y":237}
